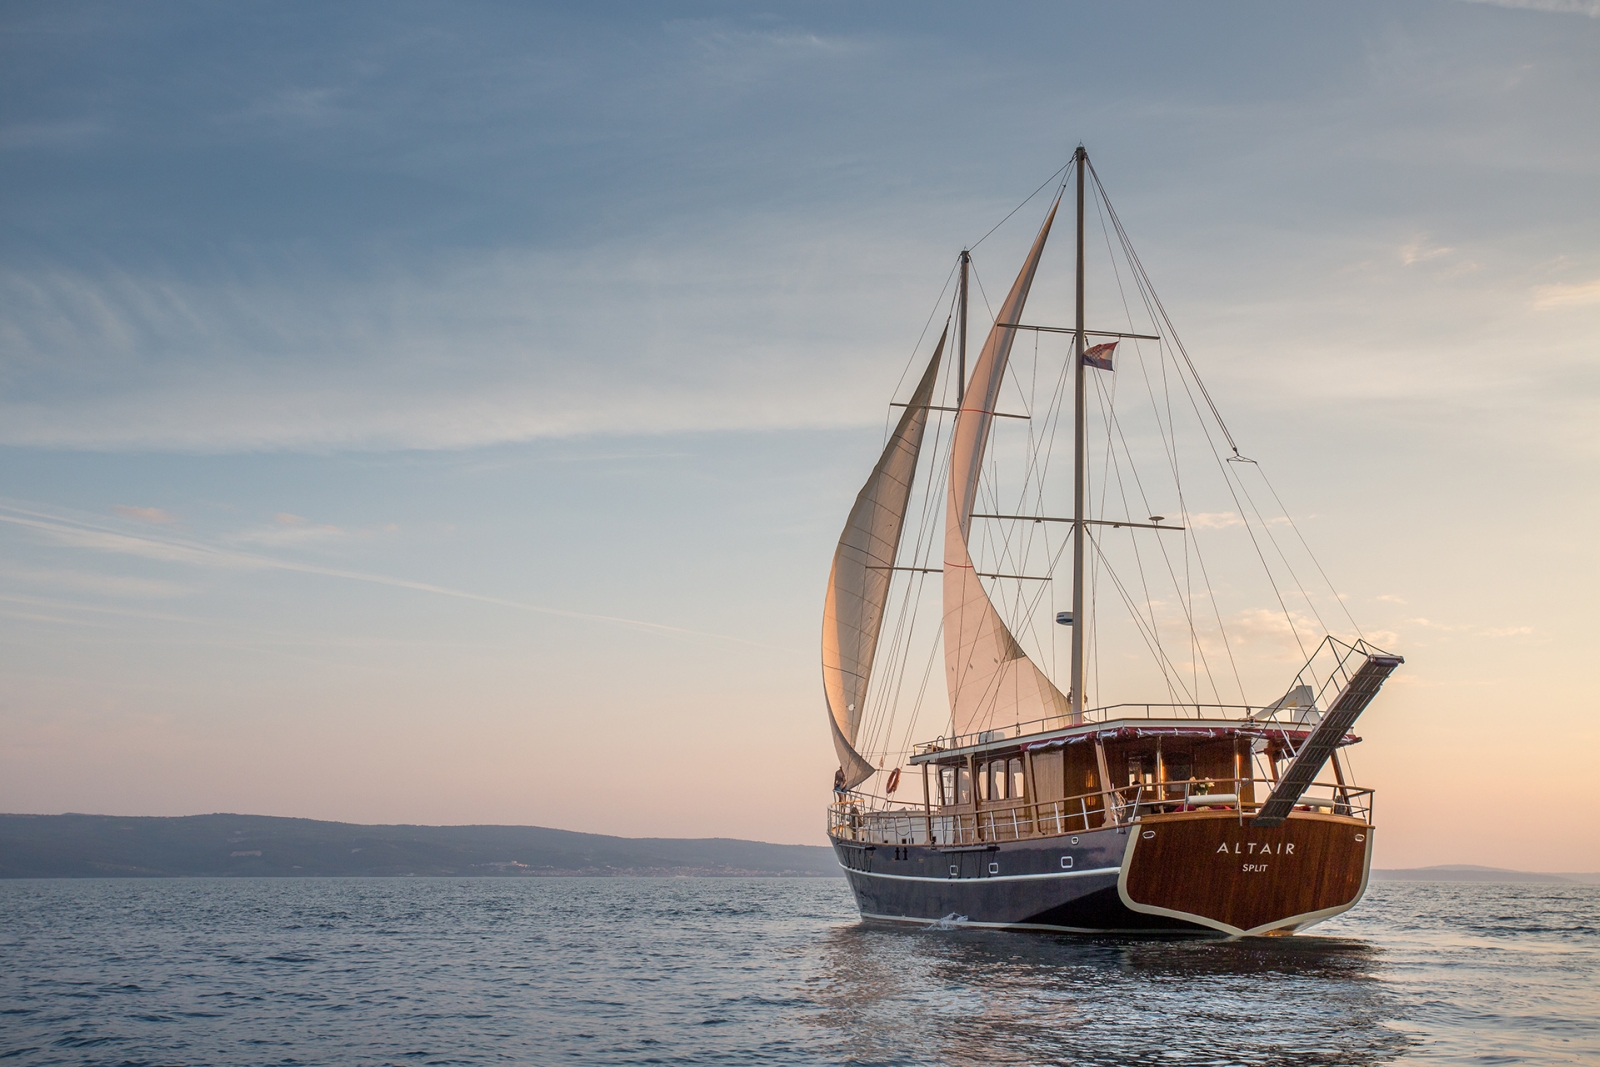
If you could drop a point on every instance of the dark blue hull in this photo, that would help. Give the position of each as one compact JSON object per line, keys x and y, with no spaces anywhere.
{"x":1058,"y":883}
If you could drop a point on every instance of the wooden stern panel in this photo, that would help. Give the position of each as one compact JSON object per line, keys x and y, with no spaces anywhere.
{"x":1209,"y":868}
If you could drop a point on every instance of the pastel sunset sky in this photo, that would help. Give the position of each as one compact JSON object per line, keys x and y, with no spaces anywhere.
{"x":446,"y":413}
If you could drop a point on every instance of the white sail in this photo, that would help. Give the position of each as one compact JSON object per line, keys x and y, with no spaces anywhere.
{"x":858,"y":585}
{"x":991,"y":680}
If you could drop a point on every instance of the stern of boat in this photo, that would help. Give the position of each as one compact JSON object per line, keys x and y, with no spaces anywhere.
{"x":1225,"y":872}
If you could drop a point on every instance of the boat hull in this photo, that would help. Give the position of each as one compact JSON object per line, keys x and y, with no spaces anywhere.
{"x":1118,"y":880}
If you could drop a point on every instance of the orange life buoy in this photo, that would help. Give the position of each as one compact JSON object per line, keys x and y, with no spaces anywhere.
{"x":894,"y":781}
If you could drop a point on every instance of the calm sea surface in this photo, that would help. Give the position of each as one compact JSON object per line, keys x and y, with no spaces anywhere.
{"x":677,"y":971}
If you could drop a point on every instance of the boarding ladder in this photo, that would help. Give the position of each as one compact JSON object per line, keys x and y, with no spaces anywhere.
{"x":1351,"y":702}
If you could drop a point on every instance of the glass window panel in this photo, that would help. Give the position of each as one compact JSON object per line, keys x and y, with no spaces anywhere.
{"x":1018,"y":784}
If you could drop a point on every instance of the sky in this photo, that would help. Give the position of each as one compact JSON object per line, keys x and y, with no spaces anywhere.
{"x":446,"y":413}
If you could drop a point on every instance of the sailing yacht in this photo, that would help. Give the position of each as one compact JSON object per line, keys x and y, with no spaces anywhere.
{"x":1036,"y":808}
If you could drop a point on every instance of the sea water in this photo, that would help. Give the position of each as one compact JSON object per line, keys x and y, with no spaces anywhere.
{"x":764,"y":971}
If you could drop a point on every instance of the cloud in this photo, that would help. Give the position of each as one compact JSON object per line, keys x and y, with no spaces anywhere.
{"x":1546,"y":297}
{"x":1418,"y":251}
{"x":1390,"y":598}
{"x":115,"y":585}
{"x":85,"y":535}
{"x":1214,"y":520}
{"x":155,"y":515}
{"x":289,"y":530}
{"x":522,"y":344}
{"x":1561,"y":7}
{"x":1506,"y":631}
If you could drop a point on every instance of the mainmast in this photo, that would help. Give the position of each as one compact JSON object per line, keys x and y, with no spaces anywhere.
{"x":1078,"y":461}
{"x":961,"y":332}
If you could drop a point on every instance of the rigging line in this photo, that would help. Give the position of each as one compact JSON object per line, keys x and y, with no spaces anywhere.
{"x":883,"y":698}
{"x":1315,"y":562}
{"x":981,"y":292}
{"x":1195,"y":650}
{"x":922,"y":690}
{"x":1191,"y":537}
{"x":1114,"y":423}
{"x":927,"y":538}
{"x":1024,"y":203}
{"x":1155,"y":648}
{"x":902,"y":638}
{"x":1170,"y":447}
{"x":903,"y":662}
{"x":1133,"y":538}
{"x":899,"y":646}
{"x":1167,"y":447}
{"x":909,"y":627}
{"x":1137,"y":265}
{"x":1286,"y":564}
{"x":1199,"y":557}
{"x":912,"y":359}
{"x":1148,"y":287}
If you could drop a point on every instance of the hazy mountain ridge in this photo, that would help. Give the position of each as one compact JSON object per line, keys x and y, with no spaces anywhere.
{"x":1472,"y":872}
{"x":223,"y":845}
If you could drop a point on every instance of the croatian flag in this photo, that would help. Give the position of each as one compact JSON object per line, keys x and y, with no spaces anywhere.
{"x":1099,"y":356}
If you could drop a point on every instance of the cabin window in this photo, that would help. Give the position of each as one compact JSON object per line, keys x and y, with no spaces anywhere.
{"x":1141,"y":770}
{"x":1019,"y":789}
{"x":996,"y":780}
{"x":963,"y":786}
{"x":1179,"y":767}
{"x":947,"y":785}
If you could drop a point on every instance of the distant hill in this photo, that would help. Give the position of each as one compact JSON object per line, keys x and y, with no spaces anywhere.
{"x":110,"y":846}
{"x":1471,"y":872}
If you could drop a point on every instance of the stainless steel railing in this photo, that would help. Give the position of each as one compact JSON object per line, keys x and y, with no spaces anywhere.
{"x":851,"y":819}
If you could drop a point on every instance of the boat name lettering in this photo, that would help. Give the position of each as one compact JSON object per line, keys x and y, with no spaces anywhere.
{"x":1254,"y":867}
{"x":1267,"y":849}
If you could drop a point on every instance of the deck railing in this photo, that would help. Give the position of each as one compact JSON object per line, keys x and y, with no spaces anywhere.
{"x":850,"y":819}
{"x":1267,"y":719}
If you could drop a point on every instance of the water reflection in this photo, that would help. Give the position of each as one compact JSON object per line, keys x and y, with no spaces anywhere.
{"x":897,"y":995}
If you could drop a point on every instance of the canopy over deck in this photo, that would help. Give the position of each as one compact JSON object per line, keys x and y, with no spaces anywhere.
{"x":1125,"y":722}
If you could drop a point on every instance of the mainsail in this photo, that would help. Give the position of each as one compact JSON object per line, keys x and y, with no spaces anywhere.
{"x":858,"y":585}
{"x":991,"y":680}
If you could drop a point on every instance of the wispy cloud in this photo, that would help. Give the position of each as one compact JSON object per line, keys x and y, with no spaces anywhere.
{"x":155,"y":515}
{"x":656,"y":336}
{"x":1506,"y":631}
{"x":1420,"y":251}
{"x":1557,"y":296}
{"x":1214,"y":520}
{"x":85,"y":535}
{"x":1590,"y":8}
{"x":290,"y":530}
{"x":112,"y":585}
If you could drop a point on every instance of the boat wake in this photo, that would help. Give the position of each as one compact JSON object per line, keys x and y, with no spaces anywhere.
{"x":949,"y":922}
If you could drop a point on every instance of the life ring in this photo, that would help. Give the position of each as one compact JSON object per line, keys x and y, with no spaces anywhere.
{"x":894,"y":781}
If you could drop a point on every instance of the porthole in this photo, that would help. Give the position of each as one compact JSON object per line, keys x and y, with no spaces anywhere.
{"x":994,"y":868}
{"x":1361,"y":837}
{"x":1148,"y":834}
{"x":1066,"y":863}
{"x":954,"y":870}
{"x":1074,"y":840}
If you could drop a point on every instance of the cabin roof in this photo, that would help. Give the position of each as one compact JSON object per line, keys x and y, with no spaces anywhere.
{"x":1126,"y":729}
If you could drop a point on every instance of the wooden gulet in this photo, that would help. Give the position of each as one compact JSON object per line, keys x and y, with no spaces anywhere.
{"x":1126,"y":817}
